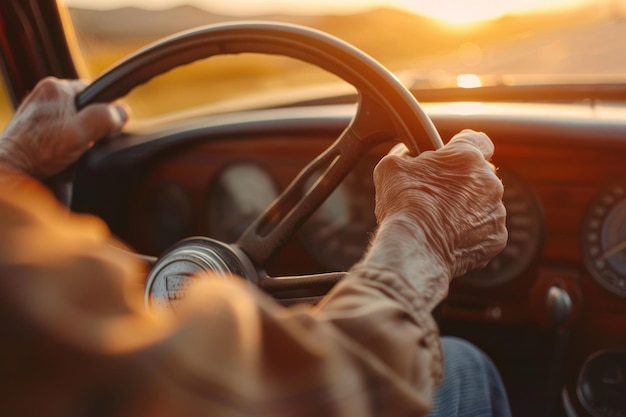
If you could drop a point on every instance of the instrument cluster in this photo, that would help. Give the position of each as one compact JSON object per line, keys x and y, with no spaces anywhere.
{"x":338,"y":233}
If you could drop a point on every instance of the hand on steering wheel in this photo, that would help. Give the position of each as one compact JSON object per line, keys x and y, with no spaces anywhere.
{"x":47,"y":133}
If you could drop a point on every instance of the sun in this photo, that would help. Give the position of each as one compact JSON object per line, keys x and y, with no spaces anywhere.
{"x":465,"y":15}
{"x":461,"y":12}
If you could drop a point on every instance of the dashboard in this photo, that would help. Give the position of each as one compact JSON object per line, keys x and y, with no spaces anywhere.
{"x":550,"y":310}
{"x":552,"y":305}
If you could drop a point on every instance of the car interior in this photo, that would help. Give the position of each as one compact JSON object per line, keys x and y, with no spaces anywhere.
{"x":274,"y":183}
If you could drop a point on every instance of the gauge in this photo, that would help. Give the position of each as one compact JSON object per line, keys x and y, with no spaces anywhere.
{"x":239,"y":194}
{"x":604,"y":238}
{"x":525,"y":225}
{"x":337,"y":233}
{"x":602,"y":384}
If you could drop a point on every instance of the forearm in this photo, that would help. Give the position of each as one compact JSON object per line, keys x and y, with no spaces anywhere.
{"x":384,"y":306}
{"x":383,"y":315}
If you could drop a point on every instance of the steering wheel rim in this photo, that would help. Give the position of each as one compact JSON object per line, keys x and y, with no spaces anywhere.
{"x":306,"y":44}
{"x":386,"y":110}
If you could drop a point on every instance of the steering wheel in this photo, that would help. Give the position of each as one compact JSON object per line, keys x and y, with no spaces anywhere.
{"x":386,"y":110}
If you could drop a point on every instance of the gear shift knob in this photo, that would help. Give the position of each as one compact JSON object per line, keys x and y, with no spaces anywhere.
{"x":558,"y":305}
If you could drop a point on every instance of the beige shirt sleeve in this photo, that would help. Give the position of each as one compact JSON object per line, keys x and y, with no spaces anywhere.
{"x":77,"y":341}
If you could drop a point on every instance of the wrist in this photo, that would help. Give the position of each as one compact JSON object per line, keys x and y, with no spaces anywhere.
{"x":9,"y":168}
{"x":401,"y":240}
{"x":404,"y":247}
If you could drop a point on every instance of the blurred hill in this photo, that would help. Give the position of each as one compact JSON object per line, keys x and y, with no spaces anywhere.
{"x":384,"y":33}
{"x":131,"y":23}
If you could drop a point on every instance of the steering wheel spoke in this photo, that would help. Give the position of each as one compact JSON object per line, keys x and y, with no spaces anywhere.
{"x":300,"y":289}
{"x":373,"y":125}
{"x":296,"y":204}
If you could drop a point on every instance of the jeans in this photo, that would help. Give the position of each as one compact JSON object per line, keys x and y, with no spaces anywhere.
{"x":471,"y":384}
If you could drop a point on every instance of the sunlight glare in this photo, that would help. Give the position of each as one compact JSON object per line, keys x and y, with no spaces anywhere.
{"x":468,"y":81}
{"x":464,"y":12}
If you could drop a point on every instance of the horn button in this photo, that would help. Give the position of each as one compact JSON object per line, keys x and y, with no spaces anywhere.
{"x":188,"y":261}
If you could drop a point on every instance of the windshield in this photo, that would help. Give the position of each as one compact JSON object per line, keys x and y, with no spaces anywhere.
{"x":427,"y":43}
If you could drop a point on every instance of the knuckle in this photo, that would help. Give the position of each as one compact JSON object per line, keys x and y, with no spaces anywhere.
{"x":461,"y":156}
{"x":48,"y":88}
{"x":475,"y":139}
{"x":474,"y":155}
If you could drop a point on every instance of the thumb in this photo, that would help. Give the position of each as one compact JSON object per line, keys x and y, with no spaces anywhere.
{"x":100,"y":120}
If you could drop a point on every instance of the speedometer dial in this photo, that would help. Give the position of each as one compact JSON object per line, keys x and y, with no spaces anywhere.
{"x":604,"y":238}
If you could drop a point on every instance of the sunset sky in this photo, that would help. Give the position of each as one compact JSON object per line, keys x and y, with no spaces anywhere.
{"x":450,"y":11}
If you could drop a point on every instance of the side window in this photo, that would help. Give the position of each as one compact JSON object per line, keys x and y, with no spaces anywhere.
{"x":6,"y":108}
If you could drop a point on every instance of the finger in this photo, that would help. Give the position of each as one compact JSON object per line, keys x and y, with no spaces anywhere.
{"x":100,"y":120}
{"x":400,"y":150}
{"x":476,"y":139}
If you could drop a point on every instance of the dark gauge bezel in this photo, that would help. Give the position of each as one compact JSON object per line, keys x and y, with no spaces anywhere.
{"x":592,"y":373}
{"x":167,"y":214}
{"x":596,"y":220}
{"x":353,"y":211}
{"x":227,"y":219}
{"x":525,"y":223}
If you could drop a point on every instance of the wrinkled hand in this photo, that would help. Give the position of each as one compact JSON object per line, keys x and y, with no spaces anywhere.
{"x":47,"y":134}
{"x":451,"y":197}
